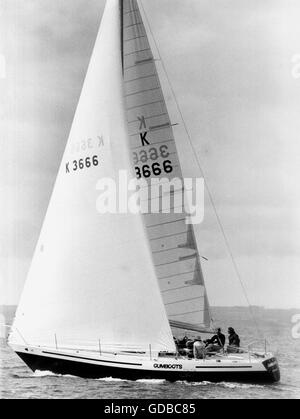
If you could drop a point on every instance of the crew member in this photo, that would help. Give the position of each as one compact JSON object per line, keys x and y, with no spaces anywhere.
{"x":234,"y":341}
{"x":199,"y":349}
{"x":217,"y":342}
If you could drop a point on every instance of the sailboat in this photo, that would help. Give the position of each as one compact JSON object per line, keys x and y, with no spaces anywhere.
{"x":105,"y":292}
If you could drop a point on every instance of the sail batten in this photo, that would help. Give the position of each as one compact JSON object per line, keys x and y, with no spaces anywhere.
{"x":152,"y":142}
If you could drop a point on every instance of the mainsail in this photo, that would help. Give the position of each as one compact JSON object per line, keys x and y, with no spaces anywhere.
{"x":154,"y":154}
{"x":92,"y":280}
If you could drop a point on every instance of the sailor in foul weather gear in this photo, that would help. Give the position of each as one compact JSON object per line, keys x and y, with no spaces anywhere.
{"x":199,"y":349}
{"x":217,"y":342}
{"x":234,"y":341}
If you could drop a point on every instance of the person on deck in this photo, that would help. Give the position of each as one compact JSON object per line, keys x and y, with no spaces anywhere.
{"x":185,"y":346}
{"x":176,"y":343}
{"x":234,"y":341}
{"x":217,"y":342}
{"x":182,"y":342}
{"x":199,"y":349}
{"x":189,"y":348}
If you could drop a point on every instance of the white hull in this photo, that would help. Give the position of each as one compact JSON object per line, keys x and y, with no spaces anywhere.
{"x":88,"y":364}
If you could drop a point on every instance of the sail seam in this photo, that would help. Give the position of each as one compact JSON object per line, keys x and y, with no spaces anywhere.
{"x":142,"y":91}
{"x":131,"y":26}
{"x":137,"y":51}
{"x":145,"y":104}
{"x":153,"y":199}
{"x":190,"y":312}
{"x":140,"y":78}
{"x":184,"y":301}
{"x":133,"y":39}
{"x":131,"y":11}
{"x":177,"y":289}
{"x":165,"y":250}
{"x":135,"y":25}
{"x":169,"y":222}
{"x":150,"y":61}
{"x":152,"y":144}
{"x":168,"y":236}
{"x":180,"y":274}
{"x":149,"y":117}
{"x":169,"y":263}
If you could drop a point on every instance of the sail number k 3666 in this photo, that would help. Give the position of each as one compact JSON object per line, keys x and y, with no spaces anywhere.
{"x":81,"y":164}
{"x":155,"y":169}
{"x":151,"y":166}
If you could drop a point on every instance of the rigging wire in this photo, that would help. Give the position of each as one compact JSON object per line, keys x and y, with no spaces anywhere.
{"x":218,"y":218}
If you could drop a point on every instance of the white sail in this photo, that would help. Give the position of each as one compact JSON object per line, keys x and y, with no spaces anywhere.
{"x":153,"y":148}
{"x":92,"y":278}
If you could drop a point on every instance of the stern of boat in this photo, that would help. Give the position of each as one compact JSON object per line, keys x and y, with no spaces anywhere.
{"x":272,"y":366}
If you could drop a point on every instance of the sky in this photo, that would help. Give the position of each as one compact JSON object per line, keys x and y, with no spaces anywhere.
{"x":233,"y":67}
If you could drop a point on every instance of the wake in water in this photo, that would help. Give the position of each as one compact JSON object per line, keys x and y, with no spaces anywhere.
{"x":152,"y":381}
{"x":42,"y":374}
{"x":45,"y":374}
{"x":111,"y":380}
{"x":222,"y":384}
{"x":142,"y":381}
{"x":231,"y":386}
{"x":237,"y":385}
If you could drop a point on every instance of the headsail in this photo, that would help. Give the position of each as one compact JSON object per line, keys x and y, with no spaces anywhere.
{"x":154,"y":155}
{"x":92,"y":277}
